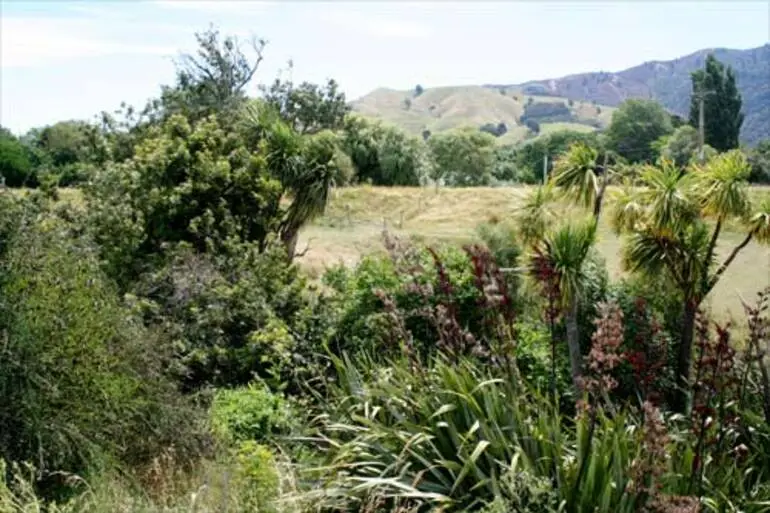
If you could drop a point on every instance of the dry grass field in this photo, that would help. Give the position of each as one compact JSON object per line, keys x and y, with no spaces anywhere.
{"x":356,"y":216}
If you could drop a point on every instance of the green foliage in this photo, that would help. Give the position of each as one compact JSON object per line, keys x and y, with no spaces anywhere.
{"x":80,"y":379}
{"x":251,"y":413}
{"x":384,"y":155}
{"x":230,"y":319}
{"x":531,"y":155}
{"x":194,"y":184}
{"x":454,"y":437}
{"x":462,"y":158}
{"x":681,"y":146}
{"x":15,"y":164}
{"x":213,"y":81}
{"x":308,"y":108}
{"x":505,"y":167}
{"x":636,"y":125}
{"x":759,"y":159}
{"x":257,"y":476}
{"x":715,"y":84}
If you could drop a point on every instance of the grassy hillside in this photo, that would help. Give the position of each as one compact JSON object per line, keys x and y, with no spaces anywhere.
{"x":669,"y":83}
{"x":444,"y":108}
{"x":355,"y":218}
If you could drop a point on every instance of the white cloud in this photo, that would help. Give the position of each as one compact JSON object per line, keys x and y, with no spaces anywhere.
{"x":217,"y":6}
{"x":30,"y":41}
{"x":377,"y":25}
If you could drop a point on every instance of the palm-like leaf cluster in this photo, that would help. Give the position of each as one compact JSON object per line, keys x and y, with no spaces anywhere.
{"x":566,"y":249}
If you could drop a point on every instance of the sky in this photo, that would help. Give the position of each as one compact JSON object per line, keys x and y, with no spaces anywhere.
{"x":71,"y":60}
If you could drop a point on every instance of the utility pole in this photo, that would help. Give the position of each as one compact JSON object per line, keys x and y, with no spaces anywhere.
{"x":701,"y":126}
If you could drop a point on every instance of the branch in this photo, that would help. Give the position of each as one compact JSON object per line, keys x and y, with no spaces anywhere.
{"x":302,"y":253}
{"x":257,"y":46}
{"x":727,"y":263}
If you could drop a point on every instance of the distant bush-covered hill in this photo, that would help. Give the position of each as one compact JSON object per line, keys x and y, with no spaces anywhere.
{"x":669,"y":83}
{"x":580,"y":102}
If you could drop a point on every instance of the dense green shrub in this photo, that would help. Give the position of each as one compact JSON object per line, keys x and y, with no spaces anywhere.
{"x":80,"y":379}
{"x":249,"y":413}
{"x":423,"y":285}
{"x":229,"y":319}
{"x":15,"y":163}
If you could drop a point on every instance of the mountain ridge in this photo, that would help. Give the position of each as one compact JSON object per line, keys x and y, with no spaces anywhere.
{"x":666,"y":81}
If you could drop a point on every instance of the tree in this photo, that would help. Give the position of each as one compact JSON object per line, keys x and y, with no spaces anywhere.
{"x":204,"y":187}
{"x":384,"y":155}
{"x":308,"y":108}
{"x":635,"y":126}
{"x":418,"y":90}
{"x":759,"y":159}
{"x":213,"y":80}
{"x":584,"y":176}
{"x":564,"y":252}
{"x":667,"y":229}
{"x":15,"y":165}
{"x":681,"y":146}
{"x":463,"y":157}
{"x":494,"y":129}
{"x":531,"y":155}
{"x":715,"y":86}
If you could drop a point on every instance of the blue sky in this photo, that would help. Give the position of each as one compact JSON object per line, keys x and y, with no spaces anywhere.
{"x":65,"y":60}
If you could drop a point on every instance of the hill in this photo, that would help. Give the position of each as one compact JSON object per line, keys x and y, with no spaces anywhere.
{"x":587,"y":98}
{"x":442,"y":108}
{"x":669,"y":83}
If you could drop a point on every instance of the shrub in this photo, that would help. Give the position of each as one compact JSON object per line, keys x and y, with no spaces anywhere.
{"x":251,"y":413}
{"x":446,"y":436}
{"x":423,"y":291}
{"x":256,"y":476}
{"x":230,"y":319}
{"x":80,"y":379}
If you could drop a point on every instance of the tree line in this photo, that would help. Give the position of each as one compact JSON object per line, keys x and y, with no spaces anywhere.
{"x":369,"y":151}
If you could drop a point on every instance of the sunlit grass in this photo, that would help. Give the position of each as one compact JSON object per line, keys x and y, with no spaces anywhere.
{"x":356,"y":216}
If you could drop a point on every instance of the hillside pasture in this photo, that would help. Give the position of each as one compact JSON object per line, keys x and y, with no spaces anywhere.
{"x":355,"y":218}
{"x":445,"y":108}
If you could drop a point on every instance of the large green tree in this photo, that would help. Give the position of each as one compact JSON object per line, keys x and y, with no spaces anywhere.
{"x":308,"y":107}
{"x":715,"y":85}
{"x":636,"y":125}
{"x":383,"y":154}
{"x":531,"y":155}
{"x":213,"y":80}
{"x":463,"y":157}
{"x":15,"y":164}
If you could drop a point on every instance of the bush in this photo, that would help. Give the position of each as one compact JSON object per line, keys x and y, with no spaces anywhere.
{"x":251,"y":413}
{"x":444,"y":436}
{"x":420,"y":287}
{"x":80,"y":380}
{"x":230,"y":319}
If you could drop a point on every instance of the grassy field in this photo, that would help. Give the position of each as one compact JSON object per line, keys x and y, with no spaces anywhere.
{"x":355,"y":218}
{"x":444,"y":108}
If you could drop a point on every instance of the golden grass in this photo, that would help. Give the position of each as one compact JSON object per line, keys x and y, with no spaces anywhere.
{"x":445,"y":108}
{"x":353,"y":223}
{"x":355,"y":217}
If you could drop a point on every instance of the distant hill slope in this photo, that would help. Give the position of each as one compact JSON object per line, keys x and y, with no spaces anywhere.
{"x":443,"y":108}
{"x":669,"y":83}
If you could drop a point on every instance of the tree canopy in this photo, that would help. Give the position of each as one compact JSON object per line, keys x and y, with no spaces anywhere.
{"x":715,"y":85}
